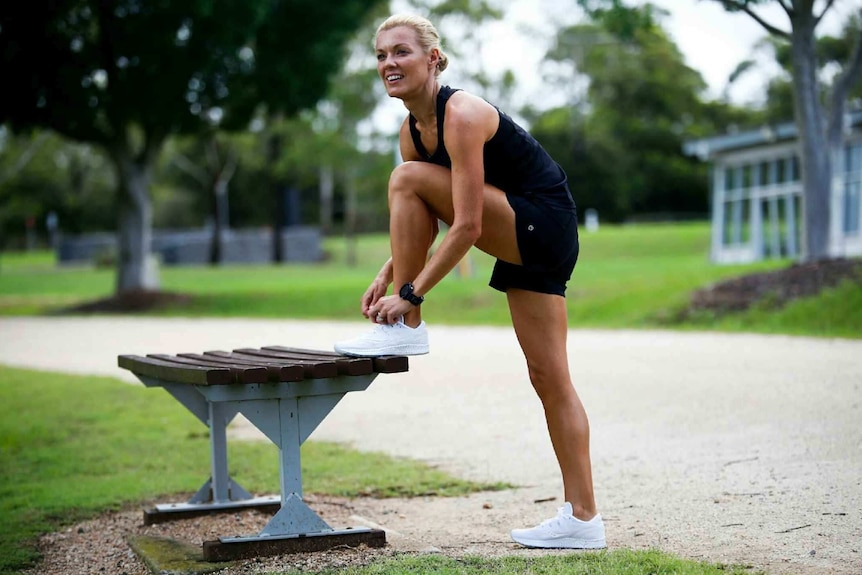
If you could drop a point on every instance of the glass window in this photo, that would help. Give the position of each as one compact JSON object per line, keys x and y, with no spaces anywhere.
{"x":727,"y":224}
{"x":747,"y":180}
{"x":794,"y":169}
{"x":852,"y":187}
{"x":780,"y":170}
{"x":853,"y":158}
{"x":730,"y":182}
{"x":763,"y":179}
{"x":852,"y":191}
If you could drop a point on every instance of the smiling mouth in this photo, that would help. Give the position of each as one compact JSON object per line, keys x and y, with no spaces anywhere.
{"x":393,"y":77}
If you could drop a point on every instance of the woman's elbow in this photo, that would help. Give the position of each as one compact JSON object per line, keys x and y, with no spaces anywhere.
{"x":470,"y":232}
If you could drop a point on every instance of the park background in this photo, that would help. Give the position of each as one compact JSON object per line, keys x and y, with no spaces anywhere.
{"x":613,"y":96}
{"x":251,"y":143}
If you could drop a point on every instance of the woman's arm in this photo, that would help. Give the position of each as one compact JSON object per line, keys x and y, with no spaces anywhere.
{"x":469,"y":123}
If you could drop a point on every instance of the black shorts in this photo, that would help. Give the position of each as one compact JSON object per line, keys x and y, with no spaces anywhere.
{"x":546,"y":225}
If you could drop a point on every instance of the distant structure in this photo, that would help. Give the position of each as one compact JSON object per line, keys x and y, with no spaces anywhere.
{"x":299,"y":244}
{"x":756,"y":192}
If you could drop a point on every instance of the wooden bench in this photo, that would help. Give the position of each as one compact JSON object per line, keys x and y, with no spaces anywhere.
{"x":285,"y":392}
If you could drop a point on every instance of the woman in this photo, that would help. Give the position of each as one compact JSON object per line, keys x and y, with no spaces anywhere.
{"x":470,"y":165}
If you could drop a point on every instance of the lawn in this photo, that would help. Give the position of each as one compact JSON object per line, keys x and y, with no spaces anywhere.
{"x":635,"y":276}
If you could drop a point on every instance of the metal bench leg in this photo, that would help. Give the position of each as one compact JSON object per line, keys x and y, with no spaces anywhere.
{"x":218,"y":451}
{"x":220,"y":487}
{"x":294,"y":516}
{"x":288,"y":421}
{"x":219,"y":493}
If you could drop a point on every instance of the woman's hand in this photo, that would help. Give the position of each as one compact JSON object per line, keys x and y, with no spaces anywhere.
{"x":388,"y":309}
{"x":372,"y":295}
{"x":376,"y":290}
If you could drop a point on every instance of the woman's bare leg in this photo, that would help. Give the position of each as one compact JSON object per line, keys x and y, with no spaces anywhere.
{"x":411,"y":233}
{"x":540,"y":322}
{"x":419,"y":194}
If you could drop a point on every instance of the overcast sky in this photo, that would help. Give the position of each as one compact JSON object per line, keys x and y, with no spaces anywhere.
{"x":712,"y":40}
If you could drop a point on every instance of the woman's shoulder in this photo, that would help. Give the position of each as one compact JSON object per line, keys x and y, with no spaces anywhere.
{"x":463,"y":106}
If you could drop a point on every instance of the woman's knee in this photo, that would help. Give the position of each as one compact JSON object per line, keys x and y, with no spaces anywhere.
{"x":429,"y":183}
{"x":551,"y":384}
{"x":408,"y":177}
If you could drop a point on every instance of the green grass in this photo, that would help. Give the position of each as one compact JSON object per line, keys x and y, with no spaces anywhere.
{"x":73,"y":446}
{"x":622,"y":562}
{"x":636,"y":276}
{"x":834,"y":313}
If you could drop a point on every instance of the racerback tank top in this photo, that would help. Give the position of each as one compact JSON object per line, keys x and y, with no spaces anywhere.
{"x":514,"y":161}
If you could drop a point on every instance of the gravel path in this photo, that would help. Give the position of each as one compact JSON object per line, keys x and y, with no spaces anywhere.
{"x":733,"y":448}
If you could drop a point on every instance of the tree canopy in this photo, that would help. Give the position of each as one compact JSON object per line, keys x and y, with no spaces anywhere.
{"x":620,"y":141}
{"x":126,"y":74}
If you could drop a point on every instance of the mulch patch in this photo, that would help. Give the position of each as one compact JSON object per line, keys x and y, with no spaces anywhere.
{"x":776,"y":287}
{"x":132,"y":302}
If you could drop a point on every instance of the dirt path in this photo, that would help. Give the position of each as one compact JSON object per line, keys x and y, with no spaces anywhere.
{"x":732,"y":448}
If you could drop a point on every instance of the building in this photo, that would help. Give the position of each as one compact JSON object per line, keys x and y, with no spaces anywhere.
{"x":756,"y":193}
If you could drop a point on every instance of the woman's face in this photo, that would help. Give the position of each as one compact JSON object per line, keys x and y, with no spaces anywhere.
{"x":401,"y":63}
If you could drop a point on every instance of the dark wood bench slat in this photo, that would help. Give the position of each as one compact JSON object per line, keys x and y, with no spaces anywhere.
{"x":346,"y":365}
{"x":314,"y":369}
{"x":278,"y":371}
{"x":241,"y":374}
{"x":382,"y":364}
{"x":168,"y":371}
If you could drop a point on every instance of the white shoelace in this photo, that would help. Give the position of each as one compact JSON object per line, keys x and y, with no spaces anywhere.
{"x":561,"y":519}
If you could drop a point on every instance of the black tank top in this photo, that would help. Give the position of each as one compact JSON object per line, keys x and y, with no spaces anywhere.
{"x":514,"y":161}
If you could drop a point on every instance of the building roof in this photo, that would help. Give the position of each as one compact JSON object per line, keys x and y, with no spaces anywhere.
{"x":706,"y":148}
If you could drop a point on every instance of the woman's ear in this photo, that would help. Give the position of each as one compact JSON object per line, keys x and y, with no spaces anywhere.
{"x":434,"y":58}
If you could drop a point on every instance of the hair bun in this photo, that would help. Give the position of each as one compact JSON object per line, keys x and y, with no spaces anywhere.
{"x":443,"y":62}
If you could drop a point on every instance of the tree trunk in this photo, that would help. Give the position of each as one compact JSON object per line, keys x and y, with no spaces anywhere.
{"x":327,"y":187}
{"x":222,"y":170}
{"x":814,"y":148}
{"x":221,"y":212}
{"x":219,"y":221}
{"x":136,"y":268}
{"x":274,"y":144}
{"x":350,"y":215}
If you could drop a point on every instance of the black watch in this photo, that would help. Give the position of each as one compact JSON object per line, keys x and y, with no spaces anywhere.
{"x":407,"y":293}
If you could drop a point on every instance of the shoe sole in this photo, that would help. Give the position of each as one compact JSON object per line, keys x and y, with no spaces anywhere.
{"x":396,"y":350}
{"x":561,"y":543}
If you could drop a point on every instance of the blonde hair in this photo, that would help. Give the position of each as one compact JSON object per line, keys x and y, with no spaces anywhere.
{"x":426,"y":34}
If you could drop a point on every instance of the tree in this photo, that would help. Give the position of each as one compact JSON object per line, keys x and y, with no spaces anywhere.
{"x":819,"y":113}
{"x":832,"y":52}
{"x":623,"y":150}
{"x":125,"y":75}
{"x":42,"y":173}
{"x":213,"y":174}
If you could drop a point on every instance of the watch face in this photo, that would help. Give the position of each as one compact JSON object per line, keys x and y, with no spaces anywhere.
{"x":406,"y":290}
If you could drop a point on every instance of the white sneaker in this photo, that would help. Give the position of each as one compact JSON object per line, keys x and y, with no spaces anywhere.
{"x":565,"y":531}
{"x":387,"y":339}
